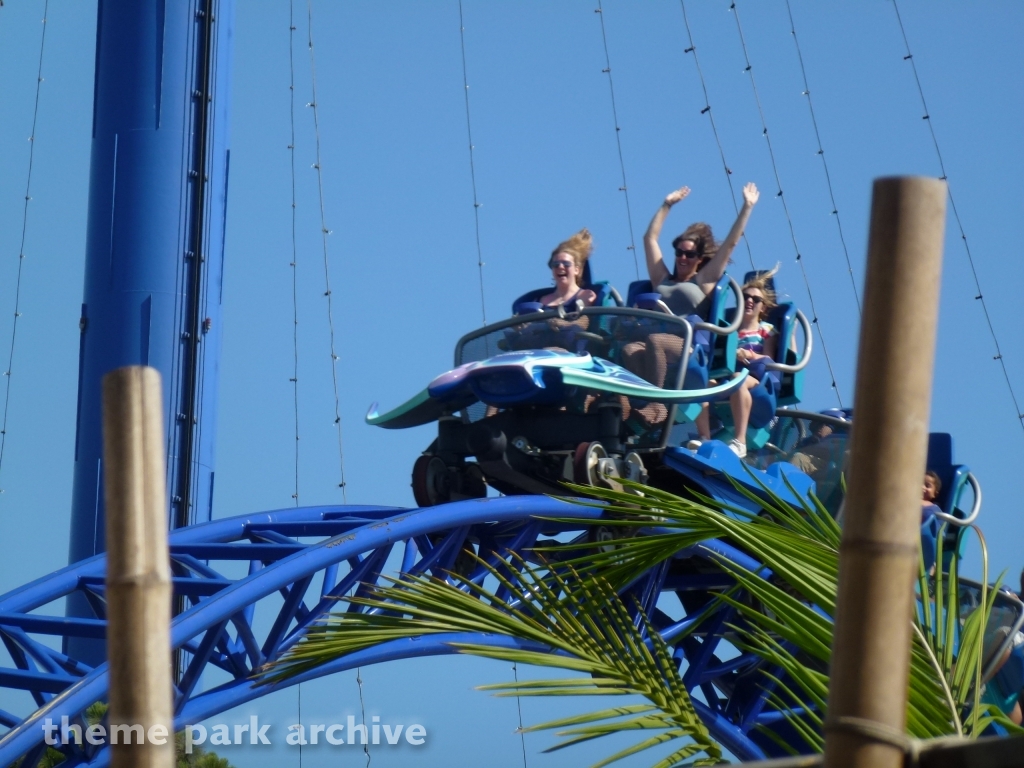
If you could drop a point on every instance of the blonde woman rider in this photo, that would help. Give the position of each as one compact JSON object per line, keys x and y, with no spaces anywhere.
{"x":566,"y":264}
{"x":757,"y":345}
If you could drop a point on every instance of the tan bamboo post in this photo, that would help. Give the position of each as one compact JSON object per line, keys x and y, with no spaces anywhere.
{"x":138,"y":570}
{"x":878,"y":561}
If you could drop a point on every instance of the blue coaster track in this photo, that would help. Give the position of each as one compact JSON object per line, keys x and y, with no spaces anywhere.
{"x":352,"y":546}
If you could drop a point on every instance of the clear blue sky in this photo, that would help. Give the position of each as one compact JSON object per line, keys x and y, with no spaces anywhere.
{"x":403,"y":255}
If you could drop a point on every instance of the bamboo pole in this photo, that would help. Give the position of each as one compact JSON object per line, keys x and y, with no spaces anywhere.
{"x":878,"y":560}
{"x":138,"y":569}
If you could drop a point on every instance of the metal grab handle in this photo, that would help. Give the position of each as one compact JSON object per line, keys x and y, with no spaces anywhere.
{"x":800,"y":364}
{"x":662,"y":306}
{"x":735,"y":324}
{"x":975,"y":509}
{"x":684,"y":360}
{"x":563,"y":315}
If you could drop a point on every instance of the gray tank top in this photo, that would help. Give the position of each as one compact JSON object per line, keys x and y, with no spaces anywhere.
{"x":685,"y":298}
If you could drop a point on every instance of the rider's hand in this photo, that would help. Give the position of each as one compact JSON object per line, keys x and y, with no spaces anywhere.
{"x":674,"y":197}
{"x":750,"y":194}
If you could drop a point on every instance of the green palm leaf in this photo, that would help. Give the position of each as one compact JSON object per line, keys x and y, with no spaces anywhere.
{"x":574,"y":615}
{"x":583,"y":625}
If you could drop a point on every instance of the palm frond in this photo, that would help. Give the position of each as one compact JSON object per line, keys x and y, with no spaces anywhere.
{"x":568,"y":615}
{"x":581,"y":625}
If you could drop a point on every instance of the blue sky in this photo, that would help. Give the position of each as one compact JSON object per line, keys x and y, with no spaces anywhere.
{"x":403,"y":253}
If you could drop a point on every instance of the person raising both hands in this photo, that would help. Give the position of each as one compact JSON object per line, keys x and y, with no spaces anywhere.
{"x":699,"y":262}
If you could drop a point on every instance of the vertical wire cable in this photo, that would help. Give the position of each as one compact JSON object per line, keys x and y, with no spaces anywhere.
{"x":302,"y":735}
{"x":714,"y":128}
{"x":362,"y":711}
{"x":480,"y":266}
{"x":785,"y":208}
{"x":624,"y":189}
{"x":21,"y":247}
{"x":472,"y":166}
{"x":519,"y":707}
{"x":330,"y":308}
{"x":294,"y":264}
{"x":295,"y":290}
{"x":979,"y":295}
{"x":324,"y":232}
{"x":821,"y":154}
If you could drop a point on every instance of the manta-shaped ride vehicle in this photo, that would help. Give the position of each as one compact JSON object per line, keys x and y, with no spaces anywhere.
{"x":545,"y":396}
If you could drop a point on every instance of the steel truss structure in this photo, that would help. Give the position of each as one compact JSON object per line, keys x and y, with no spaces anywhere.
{"x":300,"y":560}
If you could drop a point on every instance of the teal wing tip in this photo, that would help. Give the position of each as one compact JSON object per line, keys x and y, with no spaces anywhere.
{"x":372,"y":415}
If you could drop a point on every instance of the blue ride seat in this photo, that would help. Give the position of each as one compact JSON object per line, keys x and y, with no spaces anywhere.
{"x":720,"y":350}
{"x":775,"y":388}
{"x":607,"y":296}
{"x":954,"y":478}
{"x":714,"y":355}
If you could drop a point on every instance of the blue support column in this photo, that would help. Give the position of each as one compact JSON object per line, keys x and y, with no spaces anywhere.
{"x":155,"y":243}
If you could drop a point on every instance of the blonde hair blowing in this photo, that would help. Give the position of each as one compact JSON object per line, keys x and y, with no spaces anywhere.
{"x":579,"y":246}
{"x":760,"y":282}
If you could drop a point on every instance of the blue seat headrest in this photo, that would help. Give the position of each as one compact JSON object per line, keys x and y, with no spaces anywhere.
{"x":635,"y":289}
{"x":647,"y":300}
{"x":586,"y":278}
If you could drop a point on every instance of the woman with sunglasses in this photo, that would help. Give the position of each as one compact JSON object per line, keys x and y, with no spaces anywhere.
{"x":699,"y":264}
{"x":699,"y":261}
{"x":757,"y":345}
{"x":566,"y":264}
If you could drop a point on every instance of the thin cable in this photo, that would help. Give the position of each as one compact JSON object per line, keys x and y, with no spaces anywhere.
{"x":979,"y":295}
{"x":624,"y":189}
{"x":21,"y":248}
{"x":362,"y":711}
{"x":295,"y":290}
{"x":330,"y":307}
{"x":714,"y":128}
{"x":785,"y":208}
{"x":821,"y":154}
{"x":519,"y":706}
{"x":472,"y":166}
{"x":324,"y":232}
{"x":294,"y":264}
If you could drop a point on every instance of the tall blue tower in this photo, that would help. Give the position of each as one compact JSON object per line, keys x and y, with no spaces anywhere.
{"x":155,"y":244}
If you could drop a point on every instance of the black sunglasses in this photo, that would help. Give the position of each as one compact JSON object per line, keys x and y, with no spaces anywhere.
{"x":753,"y":299}
{"x":690,"y":254}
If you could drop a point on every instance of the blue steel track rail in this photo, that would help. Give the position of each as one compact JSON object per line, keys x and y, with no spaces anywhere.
{"x":294,"y":583}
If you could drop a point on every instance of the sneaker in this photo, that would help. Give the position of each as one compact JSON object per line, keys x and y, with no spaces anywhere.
{"x":694,"y":444}
{"x":740,"y":449}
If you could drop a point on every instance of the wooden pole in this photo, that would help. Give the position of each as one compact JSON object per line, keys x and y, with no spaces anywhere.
{"x":878,"y":561}
{"x":138,"y":570}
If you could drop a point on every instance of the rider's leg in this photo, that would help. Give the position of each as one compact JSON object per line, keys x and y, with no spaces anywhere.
{"x":741,"y":402}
